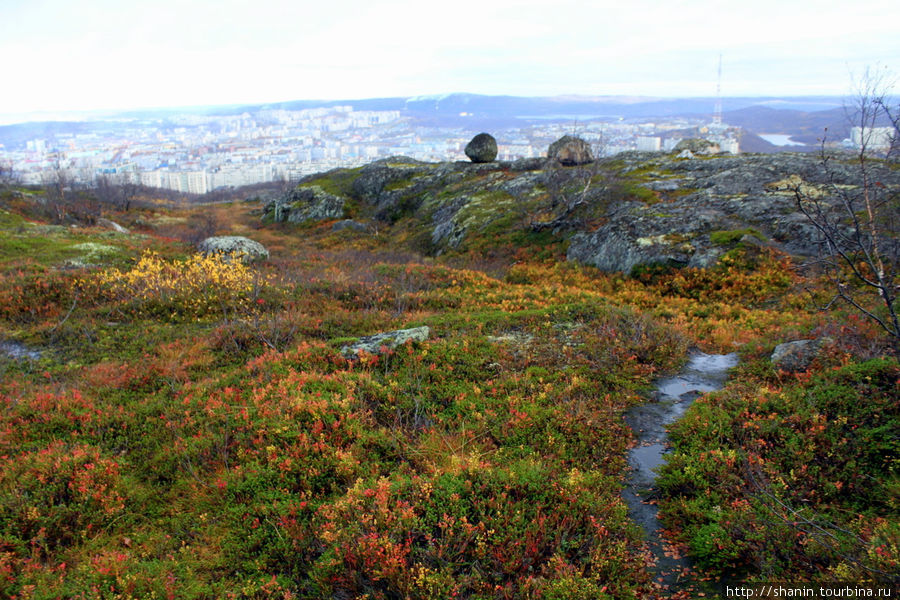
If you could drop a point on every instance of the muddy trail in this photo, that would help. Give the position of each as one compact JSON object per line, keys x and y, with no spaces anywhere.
{"x":671,"y":398}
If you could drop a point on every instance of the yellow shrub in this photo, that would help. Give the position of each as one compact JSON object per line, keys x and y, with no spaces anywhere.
{"x":197,"y":287}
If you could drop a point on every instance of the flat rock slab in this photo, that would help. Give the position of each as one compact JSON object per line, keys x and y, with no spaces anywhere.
{"x":380,"y":342}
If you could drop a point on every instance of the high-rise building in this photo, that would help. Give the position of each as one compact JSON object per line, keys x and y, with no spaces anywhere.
{"x":648,"y":143}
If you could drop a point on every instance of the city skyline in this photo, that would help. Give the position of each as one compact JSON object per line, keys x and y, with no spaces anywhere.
{"x":109,"y":56}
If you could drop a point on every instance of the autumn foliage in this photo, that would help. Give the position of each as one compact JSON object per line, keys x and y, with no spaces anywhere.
{"x":192,"y":430}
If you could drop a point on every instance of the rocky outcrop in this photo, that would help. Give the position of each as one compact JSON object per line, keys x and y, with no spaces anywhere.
{"x":305,"y":204}
{"x":378,"y":343}
{"x":638,"y":234}
{"x":704,"y":206}
{"x":696,"y":146}
{"x":571,"y":151}
{"x":644,"y":208}
{"x":482,"y":148}
{"x":798,"y":355}
{"x":234,"y":247}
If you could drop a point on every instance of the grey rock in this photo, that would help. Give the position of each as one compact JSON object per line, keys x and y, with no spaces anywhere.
{"x":375,"y":177}
{"x":685,"y":154}
{"x":798,"y":355}
{"x":349,"y":224}
{"x":697,"y":146}
{"x":663,"y":185}
{"x":306,"y":204}
{"x":373,"y":344}
{"x":734,"y":193}
{"x":447,"y":232}
{"x":482,"y":148}
{"x":112,"y":225}
{"x":528,"y":164}
{"x":637,"y":234}
{"x":571,"y":151}
{"x":234,"y":247}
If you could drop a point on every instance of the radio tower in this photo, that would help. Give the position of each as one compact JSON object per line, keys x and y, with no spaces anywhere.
{"x":717,"y":113}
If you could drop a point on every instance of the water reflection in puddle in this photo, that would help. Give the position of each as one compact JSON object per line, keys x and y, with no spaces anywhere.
{"x":703,"y":373}
{"x":18,"y":351}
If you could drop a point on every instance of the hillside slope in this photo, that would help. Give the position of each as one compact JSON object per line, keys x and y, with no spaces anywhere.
{"x":185,"y":426}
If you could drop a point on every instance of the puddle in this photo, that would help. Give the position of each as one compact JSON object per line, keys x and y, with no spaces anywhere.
{"x":17,"y":351}
{"x":672,"y":397}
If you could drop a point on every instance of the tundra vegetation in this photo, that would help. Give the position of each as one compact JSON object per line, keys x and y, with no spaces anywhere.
{"x":190,"y":428}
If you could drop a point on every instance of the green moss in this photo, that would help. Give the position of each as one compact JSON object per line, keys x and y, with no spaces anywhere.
{"x":399,"y":184}
{"x":9,"y":220}
{"x":337,"y":182}
{"x":728,"y":238}
{"x":633,"y":191}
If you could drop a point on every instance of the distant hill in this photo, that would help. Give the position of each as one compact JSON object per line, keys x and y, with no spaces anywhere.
{"x":802,"y":126}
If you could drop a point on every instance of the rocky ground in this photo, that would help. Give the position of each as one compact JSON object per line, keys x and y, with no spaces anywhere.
{"x":616,"y":214}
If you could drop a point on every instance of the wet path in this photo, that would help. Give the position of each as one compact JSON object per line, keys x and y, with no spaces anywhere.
{"x":673,"y":395}
{"x":17,"y":351}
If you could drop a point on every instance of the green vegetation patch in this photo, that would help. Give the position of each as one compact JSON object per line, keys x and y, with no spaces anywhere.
{"x":729,"y":238}
{"x":801,"y":480}
{"x":337,"y":182}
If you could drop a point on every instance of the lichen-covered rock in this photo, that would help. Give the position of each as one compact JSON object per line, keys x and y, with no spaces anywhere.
{"x":697,"y":146}
{"x":482,"y":148}
{"x":234,"y":247}
{"x":112,"y":225}
{"x":375,"y":344}
{"x":798,"y":355}
{"x":719,"y":194}
{"x":447,"y":206}
{"x":571,"y":151}
{"x":303,"y":204}
{"x":637,"y":234}
{"x":349,"y":224}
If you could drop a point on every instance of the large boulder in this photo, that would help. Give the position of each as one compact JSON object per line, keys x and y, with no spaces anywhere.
{"x":234,"y":247}
{"x":571,"y":151}
{"x":798,"y":355}
{"x":375,"y":344}
{"x":696,"y":146}
{"x":482,"y":148}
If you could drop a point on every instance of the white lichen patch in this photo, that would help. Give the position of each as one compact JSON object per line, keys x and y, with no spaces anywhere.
{"x":90,"y":254}
{"x":652,"y":240}
{"x":794,"y":184}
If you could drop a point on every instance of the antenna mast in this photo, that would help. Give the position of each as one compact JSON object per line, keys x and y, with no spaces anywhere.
{"x":717,"y":113}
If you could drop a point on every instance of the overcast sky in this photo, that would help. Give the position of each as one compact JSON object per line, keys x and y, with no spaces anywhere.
{"x":109,"y":54}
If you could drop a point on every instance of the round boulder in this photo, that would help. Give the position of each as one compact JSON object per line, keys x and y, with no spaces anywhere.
{"x":571,"y":151}
{"x":233,"y":247}
{"x":482,"y":148}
